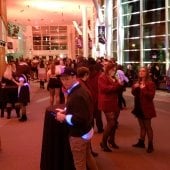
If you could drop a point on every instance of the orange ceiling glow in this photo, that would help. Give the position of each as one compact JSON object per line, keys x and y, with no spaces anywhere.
{"x":47,"y":12}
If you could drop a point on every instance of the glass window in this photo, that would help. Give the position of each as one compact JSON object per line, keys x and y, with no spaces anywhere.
{"x":115,"y":46}
{"x":131,"y":19}
{"x":133,"y":31}
{"x":154,"y":55}
{"x":45,"y":30}
{"x":63,"y":47}
{"x":36,"y":38}
{"x":115,"y":34}
{"x":36,"y":47}
{"x":47,"y":47}
{"x":46,"y":38}
{"x":53,"y":28}
{"x":54,"y":47}
{"x":153,"y":4}
{"x":54,"y":38}
{"x":115,"y":55}
{"x":155,"y":42}
{"x":114,"y":22}
{"x":152,"y":16}
{"x":169,"y":41}
{"x":154,"y":29}
{"x":46,"y":43}
{"x":36,"y":28}
{"x":50,"y":37}
{"x":62,"y":29}
{"x":131,"y":7}
{"x":62,"y":37}
{"x":133,"y":56}
{"x":131,"y":44}
{"x":36,"y":42}
{"x":169,"y":13}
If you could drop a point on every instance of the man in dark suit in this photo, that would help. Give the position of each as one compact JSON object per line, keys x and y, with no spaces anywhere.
{"x":79,"y":118}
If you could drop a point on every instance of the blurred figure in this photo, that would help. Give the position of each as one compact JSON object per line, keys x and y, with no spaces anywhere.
{"x":9,"y":74}
{"x":131,"y":74}
{"x":123,"y":80}
{"x":155,"y":74}
{"x":54,"y":85}
{"x":92,"y":81}
{"x":0,"y":144}
{"x":82,"y":76}
{"x":168,"y":80}
{"x":144,"y":92}
{"x":42,"y":73}
{"x":109,"y":87}
{"x":23,"y":96}
{"x":23,"y":68}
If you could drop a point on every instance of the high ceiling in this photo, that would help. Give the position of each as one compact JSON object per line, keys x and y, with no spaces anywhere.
{"x":46,"y":12}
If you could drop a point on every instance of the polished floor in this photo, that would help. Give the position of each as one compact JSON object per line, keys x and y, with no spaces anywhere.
{"x":21,"y":142}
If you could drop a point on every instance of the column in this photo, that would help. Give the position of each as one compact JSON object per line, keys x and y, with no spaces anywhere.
{"x":109,"y":35}
{"x":3,"y":33}
{"x":85,"y":34}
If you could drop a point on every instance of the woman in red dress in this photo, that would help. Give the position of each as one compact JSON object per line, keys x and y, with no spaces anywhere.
{"x":109,"y":87}
{"x":144,"y":92}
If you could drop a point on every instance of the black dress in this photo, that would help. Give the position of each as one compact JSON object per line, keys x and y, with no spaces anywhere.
{"x":137,"y":111}
{"x":56,"y":153}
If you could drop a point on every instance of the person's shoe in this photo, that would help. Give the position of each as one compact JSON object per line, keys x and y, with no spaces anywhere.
{"x":100,"y":131}
{"x":18,"y":114}
{"x":23,"y":118}
{"x":150,"y":148}
{"x":2,"y":114}
{"x":8,"y":117}
{"x":139,"y":144}
{"x":113,"y":145}
{"x":95,"y":154}
{"x":105,"y":148}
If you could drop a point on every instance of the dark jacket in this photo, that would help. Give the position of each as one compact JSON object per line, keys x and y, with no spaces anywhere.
{"x":78,"y":105}
{"x":24,"y":94}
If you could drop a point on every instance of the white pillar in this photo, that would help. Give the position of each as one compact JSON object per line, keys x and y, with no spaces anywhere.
{"x":85,"y":34}
{"x":109,"y":35}
{"x":120,"y":34}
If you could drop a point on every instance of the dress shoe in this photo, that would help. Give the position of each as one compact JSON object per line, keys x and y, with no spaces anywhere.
{"x":113,"y":145}
{"x":95,"y":154}
{"x":139,"y":144}
{"x":100,"y":131}
{"x":150,"y":148}
{"x":105,"y":148}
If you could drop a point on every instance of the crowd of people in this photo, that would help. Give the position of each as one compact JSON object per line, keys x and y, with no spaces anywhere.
{"x":88,"y":88}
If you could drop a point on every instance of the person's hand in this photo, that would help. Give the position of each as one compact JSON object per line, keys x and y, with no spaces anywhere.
{"x":142,"y":85}
{"x":60,"y":117}
{"x":60,"y":110}
{"x":136,"y":85}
